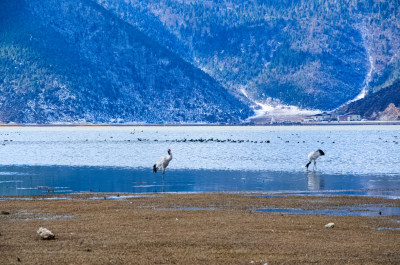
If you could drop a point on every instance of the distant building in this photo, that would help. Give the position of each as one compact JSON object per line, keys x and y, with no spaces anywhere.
{"x":332,"y":117}
{"x":349,"y":117}
{"x":318,"y":117}
{"x":354,"y":117}
{"x":308,"y":119}
{"x":325,"y":116}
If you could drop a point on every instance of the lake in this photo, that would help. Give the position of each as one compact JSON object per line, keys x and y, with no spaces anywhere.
{"x":359,"y":160}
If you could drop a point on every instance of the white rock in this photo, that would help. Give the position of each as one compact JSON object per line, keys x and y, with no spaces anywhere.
{"x":45,"y":233}
{"x":330,"y":225}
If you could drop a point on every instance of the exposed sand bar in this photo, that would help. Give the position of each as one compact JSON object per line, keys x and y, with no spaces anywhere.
{"x":206,"y":228}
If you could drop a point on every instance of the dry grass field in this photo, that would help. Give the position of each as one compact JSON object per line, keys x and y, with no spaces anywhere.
{"x":206,"y":228}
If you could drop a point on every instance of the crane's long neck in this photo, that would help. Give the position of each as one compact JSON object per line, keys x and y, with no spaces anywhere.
{"x":169,"y":158}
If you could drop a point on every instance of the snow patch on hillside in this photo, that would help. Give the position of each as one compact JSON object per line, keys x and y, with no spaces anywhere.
{"x":275,"y":112}
{"x":368,"y":78}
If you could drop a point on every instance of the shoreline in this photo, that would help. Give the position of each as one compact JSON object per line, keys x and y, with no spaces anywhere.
{"x":206,"y":228}
{"x":332,"y":123}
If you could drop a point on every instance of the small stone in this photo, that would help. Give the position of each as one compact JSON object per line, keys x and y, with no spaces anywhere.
{"x":330,"y":225}
{"x":45,"y":233}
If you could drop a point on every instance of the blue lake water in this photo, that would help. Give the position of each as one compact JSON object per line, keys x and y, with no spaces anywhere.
{"x":359,"y":160}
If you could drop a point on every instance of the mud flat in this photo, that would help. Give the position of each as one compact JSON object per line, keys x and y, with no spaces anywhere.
{"x":204,"y":228}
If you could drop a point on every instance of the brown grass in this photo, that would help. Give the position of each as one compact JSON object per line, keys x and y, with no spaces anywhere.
{"x":224,"y":229}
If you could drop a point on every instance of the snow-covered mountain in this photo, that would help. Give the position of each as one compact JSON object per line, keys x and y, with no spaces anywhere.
{"x":173,"y":61}
{"x":74,"y":61}
{"x":314,"y":54}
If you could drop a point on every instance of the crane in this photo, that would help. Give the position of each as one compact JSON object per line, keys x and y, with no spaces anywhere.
{"x":313,"y":157}
{"x":162,"y":163}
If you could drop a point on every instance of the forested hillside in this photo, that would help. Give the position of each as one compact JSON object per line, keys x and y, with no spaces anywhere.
{"x":189,"y":61}
{"x":74,"y":61}
{"x":374,"y":105}
{"x":313,"y":54}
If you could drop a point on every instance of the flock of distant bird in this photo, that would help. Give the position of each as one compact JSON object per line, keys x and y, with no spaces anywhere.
{"x":163,"y":162}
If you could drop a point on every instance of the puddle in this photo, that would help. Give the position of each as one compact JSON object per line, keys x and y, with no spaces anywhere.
{"x":56,"y":199}
{"x":386,"y":194}
{"x":191,"y":209}
{"x":361,"y":210}
{"x":268,"y":196}
{"x":15,"y":199}
{"x":44,"y":218}
{"x":127,"y":197}
{"x":196,"y":208}
{"x":120,"y":197}
{"x":37,"y":215}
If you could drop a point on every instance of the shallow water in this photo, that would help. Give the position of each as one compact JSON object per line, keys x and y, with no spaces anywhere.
{"x":33,"y":180}
{"x":360,"y":210}
{"x":359,"y":160}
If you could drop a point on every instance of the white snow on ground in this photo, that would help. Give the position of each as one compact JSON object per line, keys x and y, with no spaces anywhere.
{"x":277,"y":111}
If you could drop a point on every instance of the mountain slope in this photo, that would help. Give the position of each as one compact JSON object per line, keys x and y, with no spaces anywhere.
{"x":65,"y":61}
{"x":312,"y":54}
{"x":373,"y":104}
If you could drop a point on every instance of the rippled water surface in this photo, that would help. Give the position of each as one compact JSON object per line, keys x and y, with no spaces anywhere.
{"x":359,"y":159}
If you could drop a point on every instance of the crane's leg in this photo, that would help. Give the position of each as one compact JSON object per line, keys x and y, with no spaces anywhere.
{"x":315,"y":164}
{"x":163,"y":180}
{"x":308,"y":164}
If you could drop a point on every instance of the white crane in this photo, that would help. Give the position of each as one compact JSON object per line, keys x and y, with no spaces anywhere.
{"x":162,"y":163}
{"x":313,"y":157}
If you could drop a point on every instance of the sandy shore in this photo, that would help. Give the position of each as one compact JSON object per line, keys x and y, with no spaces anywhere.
{"x":207,"y":228}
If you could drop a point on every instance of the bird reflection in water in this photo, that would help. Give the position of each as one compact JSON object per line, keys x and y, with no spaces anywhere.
{"x":315,"y":181}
